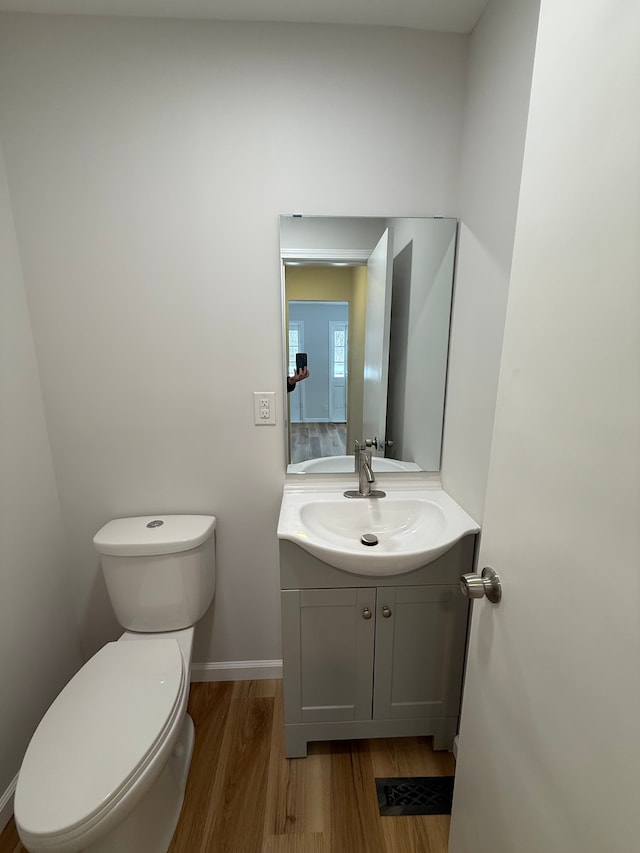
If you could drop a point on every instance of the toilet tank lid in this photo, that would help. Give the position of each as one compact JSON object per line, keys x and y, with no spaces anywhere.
{"x":153,"y":534}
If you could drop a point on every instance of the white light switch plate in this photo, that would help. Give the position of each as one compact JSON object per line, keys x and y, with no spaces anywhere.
{"x":264,"y":408}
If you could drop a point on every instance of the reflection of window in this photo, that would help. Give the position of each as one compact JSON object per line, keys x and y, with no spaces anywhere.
{"x":294,"y":346}
{"x":338,"y":353}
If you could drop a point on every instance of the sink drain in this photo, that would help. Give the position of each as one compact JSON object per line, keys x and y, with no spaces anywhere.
{"x":369,"y":539}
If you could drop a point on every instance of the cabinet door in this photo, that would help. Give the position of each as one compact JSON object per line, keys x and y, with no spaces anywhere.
{"x":328,"y":654}
{"x":420,"y":643}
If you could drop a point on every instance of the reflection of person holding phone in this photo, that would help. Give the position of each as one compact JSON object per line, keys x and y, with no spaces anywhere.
{"x":302,"y":372}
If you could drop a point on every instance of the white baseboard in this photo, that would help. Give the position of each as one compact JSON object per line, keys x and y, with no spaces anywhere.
{"x":6,"y":803}
{"x":236,"y":670}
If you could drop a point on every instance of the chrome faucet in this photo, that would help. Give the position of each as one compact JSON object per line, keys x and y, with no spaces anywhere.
{"x":365,"y":474}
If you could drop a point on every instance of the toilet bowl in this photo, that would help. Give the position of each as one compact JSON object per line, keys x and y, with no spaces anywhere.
{"x":106,"y":769}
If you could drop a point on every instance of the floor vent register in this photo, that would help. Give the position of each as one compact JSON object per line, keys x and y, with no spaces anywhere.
{"x":415,"y":795}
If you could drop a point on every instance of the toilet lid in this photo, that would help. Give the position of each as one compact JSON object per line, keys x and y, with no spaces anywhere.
{"x":100,"y":730}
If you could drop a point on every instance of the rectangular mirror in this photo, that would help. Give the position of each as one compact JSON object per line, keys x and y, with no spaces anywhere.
{"x":368,"y":299}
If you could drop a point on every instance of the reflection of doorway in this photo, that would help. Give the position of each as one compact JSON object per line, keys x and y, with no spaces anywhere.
{"x":330,"y":282}
{"x":325,"y":328}
{"x":318,"y":418}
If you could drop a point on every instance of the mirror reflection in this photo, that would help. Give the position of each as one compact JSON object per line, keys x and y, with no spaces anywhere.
{"x":368,"y":301}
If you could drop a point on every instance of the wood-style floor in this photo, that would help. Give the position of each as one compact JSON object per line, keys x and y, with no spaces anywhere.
{"x":243,"y":796}
{"x":317,"y":440}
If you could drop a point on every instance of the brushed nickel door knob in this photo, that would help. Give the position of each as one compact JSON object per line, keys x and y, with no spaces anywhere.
{"x":474,"y":585}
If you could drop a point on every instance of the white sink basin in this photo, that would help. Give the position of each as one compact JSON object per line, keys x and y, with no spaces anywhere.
{"x":345,"y":465}
{"x":413,"y":526}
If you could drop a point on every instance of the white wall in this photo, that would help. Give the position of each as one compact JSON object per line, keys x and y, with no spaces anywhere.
{"x":500,"y":69}
{"x":39,"y":648}
{"x":148,"y":163}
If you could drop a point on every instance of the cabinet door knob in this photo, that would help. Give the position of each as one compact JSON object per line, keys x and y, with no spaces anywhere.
{"x":366,"y":613}
{"x":386,"y":611}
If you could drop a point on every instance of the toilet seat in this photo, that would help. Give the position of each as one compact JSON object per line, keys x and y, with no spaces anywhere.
{"x":98,"y":738}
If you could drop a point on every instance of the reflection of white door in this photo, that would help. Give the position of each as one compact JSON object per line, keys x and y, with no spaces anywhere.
{"x":296,"y":344}
{"x":376,"y":339}
{"x":338,"y":343}
{"x":549,"y":750}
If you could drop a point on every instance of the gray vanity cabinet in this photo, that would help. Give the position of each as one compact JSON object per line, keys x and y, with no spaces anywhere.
{"x":372,"y":657}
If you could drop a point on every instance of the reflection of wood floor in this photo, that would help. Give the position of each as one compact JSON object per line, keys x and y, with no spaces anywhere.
{"x":313,"y":440}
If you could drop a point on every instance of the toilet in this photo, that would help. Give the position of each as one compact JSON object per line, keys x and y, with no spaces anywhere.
{"x":106,"y":769}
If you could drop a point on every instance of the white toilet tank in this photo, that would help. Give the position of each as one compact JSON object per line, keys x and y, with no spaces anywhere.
{"x":160,"y":569}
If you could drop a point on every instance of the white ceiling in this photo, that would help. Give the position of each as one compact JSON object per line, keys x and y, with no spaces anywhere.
{"x":457,"y":16}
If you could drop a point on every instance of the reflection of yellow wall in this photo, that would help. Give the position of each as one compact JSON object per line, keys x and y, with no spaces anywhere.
{"x":337,"y":284}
